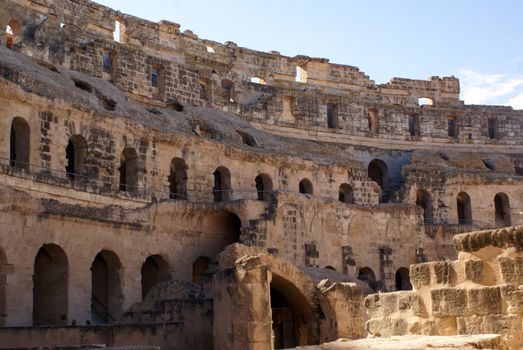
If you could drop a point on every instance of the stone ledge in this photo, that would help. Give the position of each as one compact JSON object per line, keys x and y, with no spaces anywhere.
{"x":502,"y":238}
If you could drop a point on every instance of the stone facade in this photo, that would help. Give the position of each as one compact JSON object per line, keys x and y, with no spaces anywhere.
{"x":129,"y":163}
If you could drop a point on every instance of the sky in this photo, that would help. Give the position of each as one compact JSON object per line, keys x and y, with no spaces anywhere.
{"x":478,"y":41}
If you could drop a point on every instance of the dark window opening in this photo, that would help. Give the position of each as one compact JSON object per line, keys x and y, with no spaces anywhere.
{"x":110,"y":65}
{"x":200,"y":270}
{"x":502,"y":210}
{"x":305,"y":186}
{"x":413,"y":121}
{"x":158,"y":80}
{"x":129,"y":170}
{"x":403,"y":279}
{"x":154,"y":271}
{"x":332,"y":116}
{"x":106,"y":291}
{"x":492,"y":125}
{"x":377,"y":172}
{"x":464,"y":209}
{"x":247,"y":138}
{"x":263,"y":186}
{"x":178,"y":179}
{"x":346,"y":194}
{"x":222,"y":185}
{"x":228,"y":90}
{"x":19,"y":144}
{"x":205,"y":85}
{"x":75,"y":156}
{"x":452,"y":126}
{"x":424,"y":200}
{"x":372,"y":118}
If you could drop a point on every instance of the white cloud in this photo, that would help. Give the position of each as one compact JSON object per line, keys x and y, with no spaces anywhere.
{"x":516,"y":102}
{"x":500,"y":89}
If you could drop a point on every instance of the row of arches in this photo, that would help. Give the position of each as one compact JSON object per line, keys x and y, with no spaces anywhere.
{"x":401,"y":278}
{"x":464,"y":208}
{"x":129,"y":169}
{"x":51,"y":284}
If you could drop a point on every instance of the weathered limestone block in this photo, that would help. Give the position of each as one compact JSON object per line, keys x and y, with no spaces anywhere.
{"x":411,"y":301}
{"x":473,"y":270}
{"x":511,"y":270}
{"x":381,"y":305}
{"x":490,"y":324}
{"x":484,"y":301}
{"x":449,"y":302}
{"x":442,"y":272}
{"x":420,"y":275}
{"x":514,"y":300}
{"x":386,"y":326}
{"x":503,"y":238}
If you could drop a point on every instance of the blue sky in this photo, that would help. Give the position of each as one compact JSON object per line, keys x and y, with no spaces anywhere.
{"x":479,"y":41}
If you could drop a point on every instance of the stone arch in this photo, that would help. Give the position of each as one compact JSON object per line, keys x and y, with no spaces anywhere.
{"x":154,"y":270}
{"x":305,"y":186}
{"x":106,"y":290}
{"x":50,"y":286}
{"x":346,"y":194}
{"x":464,"y":208}
{"x":13,"y":32}
{"x":502,"y":209}
{"x":222,"y":184}
{"x":75,"y":155}
{"x":330,"y":267}
{"x":223,"y":228}
{"x":19,"y":150}
{"x":378,"y":172}
{"x":263,"y":186}
{"x":424,"y":200}
{"x":128,"y":170}
{"x":367,"y":275}
{"x":200,"y":268}
{"x":178,"y":179}
{"x":403,"y":279}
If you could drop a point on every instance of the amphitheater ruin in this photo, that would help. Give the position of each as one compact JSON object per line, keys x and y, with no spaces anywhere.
{"x":158,"y":190}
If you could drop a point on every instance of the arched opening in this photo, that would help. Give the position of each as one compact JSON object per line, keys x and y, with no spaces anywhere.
{"x":263,"y":186}
{"x":293,"y":320}
{"x":3,"y":288}
{"x":178,"y":179}
{"x":228,"y":90}
{"x":377,"y":172}
{"x":424,"y":200}
{"x":403,"y":279}
{"x":154,"y":270}
{"x":50,"y":283}
{"x":366,"y":274}
{"x":200,"y":268}
{"x":222,"y":185}
{"x":19,"y":144}
{"x":492,"y":126}
{"x":502,"y":209}
{"x":128,"y":170}
{"x":329,"y":267}
{"x":221,"y":229}
{"x":464,"y":209}
{"x":305,"y":186}
{"x":332,"y":116}
{"x":106,"y":292}
{"x":110,"y":65}
{"x":346,"y":194}
{"x":12,"y":34}
{"x":75,"y":156}
{"x":413,"y":122}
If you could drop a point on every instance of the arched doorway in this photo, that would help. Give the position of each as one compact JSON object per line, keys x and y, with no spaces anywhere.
{"x":424,"y":200}
{"x":345,"y":194}
{"x":403,"y":279}
{"x":502,"y":209}
{"x":222,"y":229}
{"x":50,"y":283}
{"x":292,"y":317}
{"x":154,"y":270}
{"x":75,"y":156}
{"x":178,"y":179}
{"x":377,"y":172}
{"x":263,"y":186}
{"x":19,"y":144}
{"x":305,"y":186}
{"x":366,"y":275}
{"x":464,"y":209}
{"x":106,"y":292}
{"x":200,"y":268}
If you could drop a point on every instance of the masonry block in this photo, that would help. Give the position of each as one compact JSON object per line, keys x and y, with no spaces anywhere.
{"x":511,"y":270}
{"x":448,"y":302}
{"x":473,"y":270}
{"x":420,"y":275}
{"x":484,"y":301}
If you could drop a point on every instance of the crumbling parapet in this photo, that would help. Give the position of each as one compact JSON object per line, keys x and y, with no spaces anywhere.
{"x":480,"y":293}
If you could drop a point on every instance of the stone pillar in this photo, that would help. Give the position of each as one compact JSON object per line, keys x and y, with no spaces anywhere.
{"x":242,"y":310}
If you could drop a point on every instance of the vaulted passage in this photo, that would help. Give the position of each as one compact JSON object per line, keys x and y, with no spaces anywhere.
{"x":50,"y":282}
{"x":106,"y":293}
{"x":305,"y":187}
{"x":221,"y":229}
{"x":19,"y":144}
{"x":403,"y":279}
{"x":154,"y":270}
{"x":178,"y":179}
{"x":377,"y":172}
